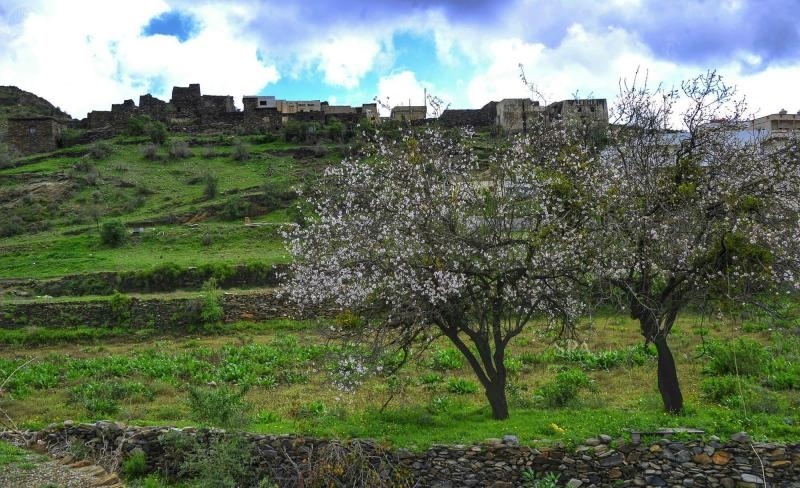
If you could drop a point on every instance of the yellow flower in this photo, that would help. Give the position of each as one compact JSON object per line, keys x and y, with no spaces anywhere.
{"x":555,"y":428}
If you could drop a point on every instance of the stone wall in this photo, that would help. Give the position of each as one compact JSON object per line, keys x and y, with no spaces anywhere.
{"x":97,"y":119}
{"x":143,"y":313}
{"x":469,"y":117}
{"x":498,"y":463}
{"x":31,"y":135}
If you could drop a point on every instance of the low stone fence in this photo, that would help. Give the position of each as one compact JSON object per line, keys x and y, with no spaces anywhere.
{"x":498,"y":463}
{"x":143,"y":313}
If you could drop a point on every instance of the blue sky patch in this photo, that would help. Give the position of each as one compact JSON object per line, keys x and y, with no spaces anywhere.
{"x":173,"y":23}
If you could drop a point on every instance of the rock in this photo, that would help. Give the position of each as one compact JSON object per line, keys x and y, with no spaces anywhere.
{"x":574,"y":483}
{"x":751,"y":478}
{"x":109,"y":480}
{"x":80,"y":464}
{"x":780,"y":464}
{"x":727,"y":483}
{"x":501,"y":484}
{"x":741,"y":437}
{"x":511,"y":440}
{"x":721,"y":458}
{"x":591,"y":442}
{"x":604,"y":438}
{"x":655,"y":448}
{"x":493,"y":441}
{"x":614,"y":473}
{"x":701,"y":458}
{"x":612,"y":460}
{"x":655,"y":481}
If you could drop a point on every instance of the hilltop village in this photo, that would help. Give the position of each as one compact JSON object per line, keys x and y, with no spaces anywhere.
{"x":190,"y":111}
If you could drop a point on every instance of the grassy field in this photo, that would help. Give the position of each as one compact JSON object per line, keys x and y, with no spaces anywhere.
{"x":289,"y":371}
{"x":53,"y":207}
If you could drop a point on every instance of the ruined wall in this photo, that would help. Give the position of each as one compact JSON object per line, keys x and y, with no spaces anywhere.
{"x":497,"y":463}
{"x":186,"y":100}
{"x":216,"y":104}
{"x":152,"y":107}
{"x":31,"y":135}
{"x":463,"y":118}
{"x":121,"y":113}
{"x":97,"y":119}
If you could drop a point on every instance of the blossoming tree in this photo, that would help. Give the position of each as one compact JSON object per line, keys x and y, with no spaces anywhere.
{"x":424,"y":238}
{"x":709,"y":210}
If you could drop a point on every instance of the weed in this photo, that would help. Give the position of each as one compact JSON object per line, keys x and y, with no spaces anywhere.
{"x":150,"y":152}
{"x":100,"y":150}
{"x":563,"y":390}
{"x":210,"y":185}
{"x":136,"y":465}
{"x":220,"y":407}
{"x":532,"y":479}
{"x":240,"y":151}
{"x":461,"y":386}
{"x":446,"y":359}
{"x":743,"y":356}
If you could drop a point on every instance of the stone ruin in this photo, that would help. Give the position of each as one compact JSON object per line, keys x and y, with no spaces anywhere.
{"x":190,"y":111}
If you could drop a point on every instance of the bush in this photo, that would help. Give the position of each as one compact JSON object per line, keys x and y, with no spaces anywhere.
{"x":563,"y":390}
{"x":240,"y":151}
{"x":445,"y":359}
{"x":225,"y":462}
{"x":113,"y":233}
{"x":211,"y":312}
{"x":136,"y":465}
{"x":179,"y":150}
{"x":461,"y":386}
{"x":121,"y":308}
{"x":219,"y":407}
{"x":102,"y":397}
{"x":235,"y":208}
{"x":70,"y":137}
{"x":157,"y":132}
{"x":743,"y":356}
{"x":100,"y":150}
{"x":783,"y":374}
{"x":138,"y":125}
{"x":150,"y":152}
{"x":720,"y":388}
{"x":210,"y":185}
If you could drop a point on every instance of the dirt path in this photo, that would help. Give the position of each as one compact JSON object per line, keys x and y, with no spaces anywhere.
{"x":33,"y":470}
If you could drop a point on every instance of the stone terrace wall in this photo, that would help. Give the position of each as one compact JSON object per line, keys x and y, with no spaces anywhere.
{"x":143,"y":313}
{"x":495,"y":464}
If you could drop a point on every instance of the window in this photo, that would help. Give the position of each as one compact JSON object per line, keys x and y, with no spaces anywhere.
{"x":32,"y":130}
{"x":262,"y":103}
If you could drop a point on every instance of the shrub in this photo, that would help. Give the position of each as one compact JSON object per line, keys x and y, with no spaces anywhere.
{"x":136,"y":465}
{"x":121,"y":307}
{"x":235,"y":208}
{"x":743,"y":356}
{"x":150,"y":152}
{"x":211,"y":311}
{"x":138,"y":125}
{"x":210,"y":185}
{"x":720,"y":388}
{"x":783,"y":374}
{"x":209,"y":152}
{"x":225,"y":462}
{"x":179,"y":150}
{"x":100,"y":150}
{"x":240,"y":151}
{"x":461,"y":386}
{"x":70,"y":137}
{"x":113,"y":233}
{"x":564,"y":389}
{"x":102,"y":397}
{"x":157,"y":132}
{"x":445,"y":359}
{"x":219,"y":407}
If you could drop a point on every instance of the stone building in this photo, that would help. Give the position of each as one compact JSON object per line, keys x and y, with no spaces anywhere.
{"x":408,"y":113}
{"x":516,"y":114}
{"x":30,"y":135}
{"x":587,"y":110}
{"x":186,"y":100}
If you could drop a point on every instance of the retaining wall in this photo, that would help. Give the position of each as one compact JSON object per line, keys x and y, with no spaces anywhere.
{"x":498,"y":463}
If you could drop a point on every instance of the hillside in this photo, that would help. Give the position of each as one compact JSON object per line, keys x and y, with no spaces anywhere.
{"x":15,"y":102}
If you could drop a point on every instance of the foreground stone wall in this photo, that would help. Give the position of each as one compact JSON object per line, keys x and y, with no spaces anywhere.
{"x":498,"y":463}
{"x":143,"y":313}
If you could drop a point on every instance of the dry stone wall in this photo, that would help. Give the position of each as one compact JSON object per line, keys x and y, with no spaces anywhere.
{"x":143,"y":313}
{"x":498,"y":463}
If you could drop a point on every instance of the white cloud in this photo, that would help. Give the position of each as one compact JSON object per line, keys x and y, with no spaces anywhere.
{"x":345,"y":60}
{"x":401,"y":88}
{"x":86,"y":56}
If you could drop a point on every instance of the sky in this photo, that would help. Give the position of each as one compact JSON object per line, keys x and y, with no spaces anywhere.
{"x":84,"y":55}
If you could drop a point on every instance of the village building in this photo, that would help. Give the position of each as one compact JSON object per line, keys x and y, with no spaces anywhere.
{"x":31,"y":135}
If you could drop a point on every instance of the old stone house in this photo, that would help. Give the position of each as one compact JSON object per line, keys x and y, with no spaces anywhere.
{"x":30,"y":135}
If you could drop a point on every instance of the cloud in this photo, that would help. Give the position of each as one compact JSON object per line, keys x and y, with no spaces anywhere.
{"x":401,"y":88}
{"x":89,"y":55}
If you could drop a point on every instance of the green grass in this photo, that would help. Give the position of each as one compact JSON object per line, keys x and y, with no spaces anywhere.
{"x":291,"y":368}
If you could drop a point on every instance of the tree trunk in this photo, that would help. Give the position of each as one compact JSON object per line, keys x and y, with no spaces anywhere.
{"x":668,"y":377}
{"x":496,"y":394}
